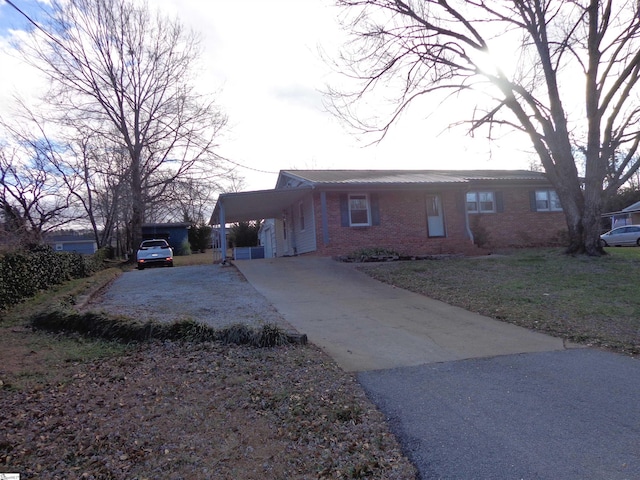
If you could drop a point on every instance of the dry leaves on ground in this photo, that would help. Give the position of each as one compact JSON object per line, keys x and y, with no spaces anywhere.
{"x":173,"y":410}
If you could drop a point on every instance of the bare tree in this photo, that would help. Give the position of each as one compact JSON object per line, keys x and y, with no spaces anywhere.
{"x":570,"y":83}
{"x":234,"y":183}
{"x":189,"y":200}
{"x":33,"y":199}
{"x":125,"y":73}
{"x":96,"y":175}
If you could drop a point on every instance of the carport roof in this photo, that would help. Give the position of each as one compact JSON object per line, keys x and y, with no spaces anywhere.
{"x":256,"y":205}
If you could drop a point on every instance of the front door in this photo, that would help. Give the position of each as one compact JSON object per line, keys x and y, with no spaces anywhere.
{"x":435,"y":219}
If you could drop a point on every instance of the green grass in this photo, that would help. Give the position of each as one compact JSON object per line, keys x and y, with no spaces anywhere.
{"x":66,"y":295}
{"x":586,"y":299}
{"x":29,"y":358}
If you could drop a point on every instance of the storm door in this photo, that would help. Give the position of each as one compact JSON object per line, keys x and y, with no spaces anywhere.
{"x":435,"y":218}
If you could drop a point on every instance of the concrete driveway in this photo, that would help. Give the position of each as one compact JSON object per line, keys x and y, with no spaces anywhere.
{"x":367,"y":325}
{"x":468,"y":397}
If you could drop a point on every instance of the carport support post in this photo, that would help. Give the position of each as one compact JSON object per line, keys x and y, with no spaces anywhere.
{"x":223,"y":233}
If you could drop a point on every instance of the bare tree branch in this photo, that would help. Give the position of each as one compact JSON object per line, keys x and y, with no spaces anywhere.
{"x":124,"y":73}
{"x":572,"y":80}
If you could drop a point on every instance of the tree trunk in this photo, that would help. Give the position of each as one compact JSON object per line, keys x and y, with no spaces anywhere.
{"x":591,"y":220}
{"x":582,"y":214}
{"x":137,"y":206}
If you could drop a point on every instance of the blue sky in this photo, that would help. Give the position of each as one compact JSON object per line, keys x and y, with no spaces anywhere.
{"x":10,"y":19}
{"x":262,"y":58}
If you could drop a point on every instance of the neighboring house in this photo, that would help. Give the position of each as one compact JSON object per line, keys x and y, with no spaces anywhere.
{"x":627,"y":216}
{"x":413,"y":212}
{"x":176,"y":234}
{"x":72,"y":243}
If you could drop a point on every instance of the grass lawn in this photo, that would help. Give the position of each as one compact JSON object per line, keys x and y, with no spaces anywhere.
{"x":589,"y":300}
{"x":194,"y":259}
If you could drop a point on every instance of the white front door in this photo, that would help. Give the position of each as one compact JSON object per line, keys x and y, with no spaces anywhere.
{"x":435,"y":218}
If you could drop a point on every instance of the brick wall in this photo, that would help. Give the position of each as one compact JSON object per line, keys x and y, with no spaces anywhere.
{"x":518,"y":226}
{"x":403,"y":225}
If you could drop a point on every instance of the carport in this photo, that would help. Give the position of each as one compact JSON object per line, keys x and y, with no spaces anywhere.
{"x":256,"y":205}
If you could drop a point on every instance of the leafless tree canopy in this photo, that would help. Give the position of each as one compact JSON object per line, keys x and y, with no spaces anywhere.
{"x":569,"y":82}
{"x":33,"y":199}
{"x":123,"y":76}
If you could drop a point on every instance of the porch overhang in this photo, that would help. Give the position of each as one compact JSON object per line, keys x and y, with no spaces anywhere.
{"x":256,"y":205}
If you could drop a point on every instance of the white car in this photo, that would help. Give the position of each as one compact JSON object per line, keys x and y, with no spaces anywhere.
{"x":154,"y":252}
{"x":627,"y":235}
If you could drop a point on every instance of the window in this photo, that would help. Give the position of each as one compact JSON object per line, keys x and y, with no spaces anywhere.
{"x":301,"y":214}
{"x":547,"y":201}
{"x":481,"y":202}
{"x":359,"y":214}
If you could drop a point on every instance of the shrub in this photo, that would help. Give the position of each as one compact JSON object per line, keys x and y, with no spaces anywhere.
{"x":101,"y":325}
{"x":94,"y":324}
{"x":244,"y":234}
{"x":199,"y":237}
{"x":24,"y":273}
{"x":184,"y":248}
{"x":373,"y":254}
{"x":238,"y":334}
{"x":270,"y":335}
{"x":189,"y":330}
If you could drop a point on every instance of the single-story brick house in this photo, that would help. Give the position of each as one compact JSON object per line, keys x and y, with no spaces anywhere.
{"x":413,"y":212}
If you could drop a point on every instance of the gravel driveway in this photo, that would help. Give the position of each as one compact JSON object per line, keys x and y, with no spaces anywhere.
{"x":213,"y":294}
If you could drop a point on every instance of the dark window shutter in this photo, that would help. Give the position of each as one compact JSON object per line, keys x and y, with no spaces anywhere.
{"x":375,"y":209}
{"x":344,"y":210}
{"x":532,"y":201}
{"x":499,"y":202}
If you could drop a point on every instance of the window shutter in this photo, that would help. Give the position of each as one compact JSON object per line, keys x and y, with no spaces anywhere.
{"x":499,"y":202}
{"x":532,"y":201}
{"x":344,"y":210}
{"x":375,"y":209}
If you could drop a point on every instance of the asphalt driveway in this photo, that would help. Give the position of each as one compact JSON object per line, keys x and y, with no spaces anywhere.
{"x":468,"y":397}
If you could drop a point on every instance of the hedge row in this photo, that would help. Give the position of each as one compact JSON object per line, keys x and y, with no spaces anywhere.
{"x":101,"y":325}
{"x":25,"y":273}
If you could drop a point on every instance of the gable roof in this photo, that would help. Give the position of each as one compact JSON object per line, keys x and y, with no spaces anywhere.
{"x":632,"y":208}
{"x":328,"y":178}
{"x":293,"y":185}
